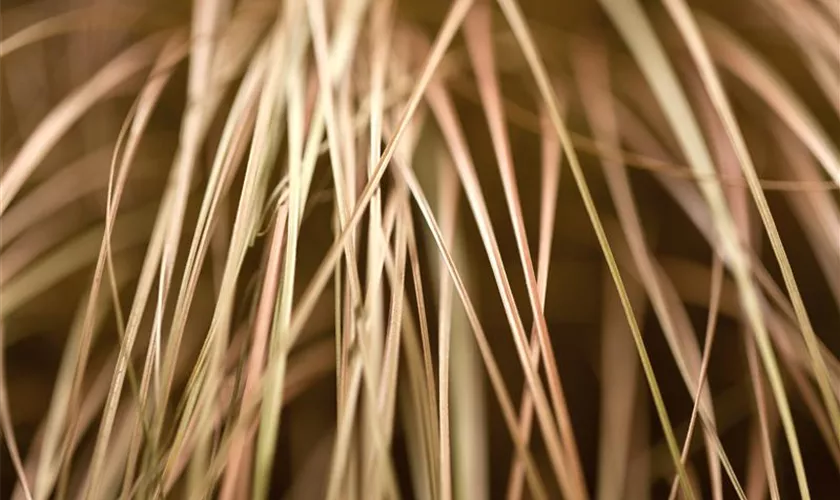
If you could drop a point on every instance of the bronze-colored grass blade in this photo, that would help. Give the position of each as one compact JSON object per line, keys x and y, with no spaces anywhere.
{"x":550,"y":169}
{"x":481,"y":338}
{"x":766,"y":445}
{"x":525,"y":40}
{"x":477,"y":30}
{"x":442,"y":108}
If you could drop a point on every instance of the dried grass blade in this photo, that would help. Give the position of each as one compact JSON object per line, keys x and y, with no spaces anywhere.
{"x":691,"y":202}
{"x":345,"y":426}
{"x":172,"y":53}
{"x":428,"y":367}
{"x":592,"y":73}
{"x":278,"y":344}
{"x":762,"y":408}
{"x":238,"y":461}
{"x":308,"y":299}
{"x":711,"y":328}
{"x":525,"y":40}
{"x":209,"y":76}
{"x":390,"y":364}
{"x":447,"y":195}
{"x":496,"y":380}
{"x":636,"y":30}
{"x":691,"y":32}
{"x":479,"y":45}
{"x":444,"y":111}
{"x":44,"y":461}
{"x":550,"y":176}
{"x":619,"y":380}
{"x":70,"y":184}
{"x":421,"y":371}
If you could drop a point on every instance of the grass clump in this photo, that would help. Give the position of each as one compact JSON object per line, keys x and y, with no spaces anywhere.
{"x":446,"y":250}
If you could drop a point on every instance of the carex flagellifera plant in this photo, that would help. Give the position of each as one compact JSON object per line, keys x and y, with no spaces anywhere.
{"x":464,"y":249}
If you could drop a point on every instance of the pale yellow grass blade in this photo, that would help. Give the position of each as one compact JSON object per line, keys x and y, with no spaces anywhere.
{"x":447,"y":196}
{"x":231,"y":149}
{"x":209,"y":76}
{"x":375,"y":296}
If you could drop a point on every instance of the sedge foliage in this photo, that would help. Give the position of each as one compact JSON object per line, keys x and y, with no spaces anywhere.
{"x":397,"y":249}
